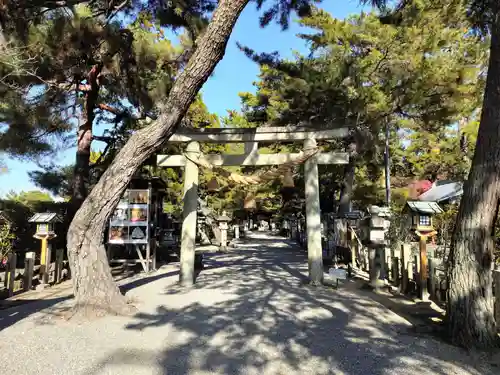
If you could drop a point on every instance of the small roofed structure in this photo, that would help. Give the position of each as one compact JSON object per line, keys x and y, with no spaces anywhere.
{"x":421,"y":214}
{"x":443,"y":192}
{"x":45,"y":222}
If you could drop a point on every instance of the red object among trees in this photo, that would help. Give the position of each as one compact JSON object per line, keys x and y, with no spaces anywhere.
{"x":418,"y":187}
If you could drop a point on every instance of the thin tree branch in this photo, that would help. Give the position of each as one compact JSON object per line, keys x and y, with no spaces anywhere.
{"x":113,"y":110}
{"x":125,"y":113}
{"x":102,"y":138}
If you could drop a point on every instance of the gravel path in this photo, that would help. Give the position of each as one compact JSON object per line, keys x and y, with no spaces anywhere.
{"x":247,"y":314}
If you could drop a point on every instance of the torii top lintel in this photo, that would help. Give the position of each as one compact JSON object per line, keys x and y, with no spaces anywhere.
{"x":261,"y":134}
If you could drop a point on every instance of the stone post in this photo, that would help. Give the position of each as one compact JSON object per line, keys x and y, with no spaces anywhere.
{"x":237,"y":232}
{"x":353,"y":245}
{"x":424,"y":294}
{"x":44,"y":265}
{"x":396,"y":275}
{"x":45,"y":260}
{"x":188,"y":235}
{"x":313,"y":217}
{"x":29,"y":263}
{"x":405,"y":272}
{"x":59,"y":265}
{"x":251,"y":147}
{"x":377,"y":272}
{"x":223,"y":236}
{"x":376,"y":227}
{"x":11,"y":273}
{"x":432,"y":278}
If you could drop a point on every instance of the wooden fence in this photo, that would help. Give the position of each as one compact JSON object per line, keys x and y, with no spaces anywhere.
{"x":403,"y":270}
{"x":402,"y":266}
{"x":17,"y":280}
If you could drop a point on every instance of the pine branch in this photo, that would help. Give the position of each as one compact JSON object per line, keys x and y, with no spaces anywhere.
{"x":108,"y":108}
{"x":55,"y":4}
{"x":103,"y":138}
{"x":125,"y":113}
{"x":99,"y":160}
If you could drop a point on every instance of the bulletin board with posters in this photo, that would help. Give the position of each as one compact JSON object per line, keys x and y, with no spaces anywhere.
{"x":129,"y":224}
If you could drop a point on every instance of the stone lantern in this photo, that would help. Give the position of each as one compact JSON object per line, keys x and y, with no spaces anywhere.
{"x":420,"y":218}
{"x":236,"y":228}
{"x":223,"y":226}
{"x":374,"y":228}
{"x":45,"y":231}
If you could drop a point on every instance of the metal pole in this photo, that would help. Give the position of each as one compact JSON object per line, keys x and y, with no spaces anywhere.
{"x":387,"y":162}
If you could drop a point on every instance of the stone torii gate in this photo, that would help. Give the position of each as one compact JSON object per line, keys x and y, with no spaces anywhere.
{"x":251,"y":137}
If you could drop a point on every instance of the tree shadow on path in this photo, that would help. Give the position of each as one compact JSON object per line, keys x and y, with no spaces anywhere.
{"x":250,"y":313}
{"x":61,"y":303}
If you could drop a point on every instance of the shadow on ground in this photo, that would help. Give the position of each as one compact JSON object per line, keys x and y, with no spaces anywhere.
{"x":128,"y":286}
{"x":14,"y":312}
{"x":58,"y":306}
{"x":250,"y":313}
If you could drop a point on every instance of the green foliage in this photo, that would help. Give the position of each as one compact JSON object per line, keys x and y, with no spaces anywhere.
{"x":29,"y":198}
{"x":399,"y":230}
{"x":422,"y":75}
{"x":46,"y":92}
{"x":444,"y":224}
{"x":47,"y":86}
{"x":418,"y":67}
{"x":198,"y":116}
{"x":55,"y":179}
{"x":6,"y":240}
{"x":19,"y":207}
{"x":49,"y":48}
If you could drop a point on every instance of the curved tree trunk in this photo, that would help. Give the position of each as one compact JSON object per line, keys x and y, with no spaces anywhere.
{"x":470,"y":310}
{"x":93,"y":285}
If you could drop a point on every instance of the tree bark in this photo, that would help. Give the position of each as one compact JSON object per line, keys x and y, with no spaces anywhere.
{"x":470,"y":310}
{"x":348,"y":182}
{"x":347,"y":187}
{"x":81,"y":173}
{"x":93,"y":285}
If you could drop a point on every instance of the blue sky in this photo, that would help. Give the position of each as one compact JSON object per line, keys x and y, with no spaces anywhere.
{"x":234,"y":74}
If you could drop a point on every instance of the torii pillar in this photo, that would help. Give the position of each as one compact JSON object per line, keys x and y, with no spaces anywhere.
{"x":189,"y":221}
{"x":313,"y":216}
{"x":252,"y":137}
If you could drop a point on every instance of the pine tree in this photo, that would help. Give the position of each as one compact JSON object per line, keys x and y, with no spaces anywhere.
{"x":470,"y":310}
{"x":362,"y":73}
{"x":94,"y":288}
{"x":96,"y":69}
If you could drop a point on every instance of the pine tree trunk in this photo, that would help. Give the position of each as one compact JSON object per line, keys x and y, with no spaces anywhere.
{"x":81,"y":172}
{"x":94,"y":288}
{"x":348,"y":182}
{"x":470,"y":310}
{"x":347,"y":188}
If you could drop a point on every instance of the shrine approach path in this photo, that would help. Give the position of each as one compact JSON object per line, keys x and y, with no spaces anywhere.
{"x":249,"y":313}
